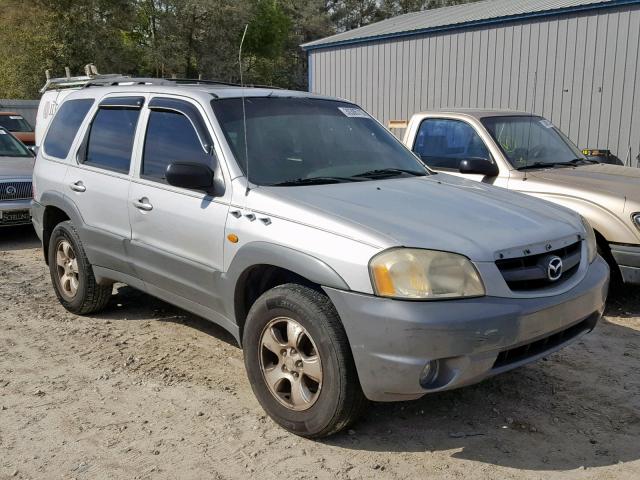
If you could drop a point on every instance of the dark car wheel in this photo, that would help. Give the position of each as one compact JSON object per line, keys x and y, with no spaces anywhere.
{"x":299,"y":362}
{"x":72,"y":275}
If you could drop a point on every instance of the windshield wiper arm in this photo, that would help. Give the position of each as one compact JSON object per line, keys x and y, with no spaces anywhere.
{"x":390,"y":172}
{"x":313,"y":181}
{"x":546,"y":165}
{"x":577,"y":161}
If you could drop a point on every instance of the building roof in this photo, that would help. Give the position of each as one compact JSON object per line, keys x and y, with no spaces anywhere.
{"x":457,"y":16}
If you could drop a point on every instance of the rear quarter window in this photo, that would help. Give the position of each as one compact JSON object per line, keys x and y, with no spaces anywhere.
{"x":64,"y":127}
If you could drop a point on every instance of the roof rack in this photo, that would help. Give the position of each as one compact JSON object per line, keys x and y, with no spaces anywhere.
{"x":93,"y":79}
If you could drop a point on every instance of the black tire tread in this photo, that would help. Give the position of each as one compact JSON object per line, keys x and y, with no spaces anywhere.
{"x":96,"y":296}
{"x":352,"y":398}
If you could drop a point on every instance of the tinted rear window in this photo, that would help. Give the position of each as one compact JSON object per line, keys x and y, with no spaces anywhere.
{"x":111,"y":139}
{"x":64,"y":127}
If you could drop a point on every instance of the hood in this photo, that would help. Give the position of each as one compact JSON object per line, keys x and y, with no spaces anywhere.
{"x":615,"y":180}
{"x":28,"y":138}
{"x":11,"y":167}
{"x":439,"y":212}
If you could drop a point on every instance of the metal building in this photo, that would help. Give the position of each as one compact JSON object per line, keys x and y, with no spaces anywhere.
{"x":576,"y":62}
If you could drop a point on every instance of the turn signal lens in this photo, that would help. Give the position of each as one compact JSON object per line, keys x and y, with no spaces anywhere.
{"x":424,"y":274}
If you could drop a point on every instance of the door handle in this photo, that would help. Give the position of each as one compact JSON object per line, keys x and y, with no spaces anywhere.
{"x":143,"y":204}
{"x":78,"y":186}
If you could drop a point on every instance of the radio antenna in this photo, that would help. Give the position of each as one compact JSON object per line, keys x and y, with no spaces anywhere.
{"x":244,"y":112}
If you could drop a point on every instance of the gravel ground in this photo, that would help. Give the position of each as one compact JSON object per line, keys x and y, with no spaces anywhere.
{"x":145,"y":390}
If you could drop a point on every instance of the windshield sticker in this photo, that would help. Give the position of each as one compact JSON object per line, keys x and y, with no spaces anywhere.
{"x":15,"y":117}
{"x":353,"y":112}
{"x":2,"y":132}
{"x":546,"y":123}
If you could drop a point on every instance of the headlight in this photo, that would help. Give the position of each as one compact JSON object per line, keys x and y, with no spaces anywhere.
{"x":590,"y":238}
{"x":424,"y":274}
{"x":635,"y":218}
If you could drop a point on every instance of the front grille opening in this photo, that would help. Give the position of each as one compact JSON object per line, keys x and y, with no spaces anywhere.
{"x":523,"y":352}
{"x":530,"y":273}
{"x":16,"y":190}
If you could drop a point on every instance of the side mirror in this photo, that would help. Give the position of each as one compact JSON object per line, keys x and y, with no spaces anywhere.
{"x":193,"y":176}
{"x":479,"y":166}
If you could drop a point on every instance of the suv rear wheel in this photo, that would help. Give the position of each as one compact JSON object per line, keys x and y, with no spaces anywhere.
{"x":299,"y":362}
{"x":72,"y":275}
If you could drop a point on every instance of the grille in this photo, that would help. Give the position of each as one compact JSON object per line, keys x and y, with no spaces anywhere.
{"x":16,"y":190}
{"x":515,"y":355}
{"x":530,"y":273}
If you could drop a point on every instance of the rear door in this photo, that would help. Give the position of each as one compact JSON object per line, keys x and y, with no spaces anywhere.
{"x":177,"y":234}
{"x":98,"y":181}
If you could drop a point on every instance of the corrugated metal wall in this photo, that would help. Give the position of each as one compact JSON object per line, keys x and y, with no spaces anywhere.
{"x":580,"y":71}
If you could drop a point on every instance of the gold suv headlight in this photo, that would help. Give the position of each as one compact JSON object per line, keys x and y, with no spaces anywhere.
{"x":410,"y":273}
{"x":592,"y":244}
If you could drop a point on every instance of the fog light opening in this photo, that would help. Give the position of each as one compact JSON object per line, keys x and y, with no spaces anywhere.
{"x":429,"y":373}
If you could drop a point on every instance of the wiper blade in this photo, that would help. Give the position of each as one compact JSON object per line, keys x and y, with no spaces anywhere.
{"x":546,"y":165}
{"x":390,"y":172}
{"x":577,"y":161}
{"x":313,"y":181}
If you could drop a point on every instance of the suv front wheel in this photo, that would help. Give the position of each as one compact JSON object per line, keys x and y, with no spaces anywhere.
{"x":299,"y":362}
{"x":72,"y":275}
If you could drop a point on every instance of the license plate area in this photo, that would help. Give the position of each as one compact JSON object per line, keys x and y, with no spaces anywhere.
{"x":15,"y":216}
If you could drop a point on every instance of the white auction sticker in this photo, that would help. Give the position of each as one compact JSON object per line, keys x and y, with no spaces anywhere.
{"x":2,"y":132}
{"x":546,"y":123}
{"x":353,"y":112}
{"x":15,"y":117}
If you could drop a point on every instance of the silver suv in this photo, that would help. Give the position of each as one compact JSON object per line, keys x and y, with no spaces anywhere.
{"x":345,"y":269}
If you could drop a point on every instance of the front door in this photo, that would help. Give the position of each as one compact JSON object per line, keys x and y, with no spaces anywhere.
{"x":177,"y":234}
{"x":442,"y":143}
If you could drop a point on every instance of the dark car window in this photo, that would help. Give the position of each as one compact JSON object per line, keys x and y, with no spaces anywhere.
{"x":292,"y":139}
{"x":64,"y":126}
{"x":442,"y":143}
{"x":111,"y":139}
{"x":15,"y":123}
{"x":171,"y":138}
{"x":11,"y":147}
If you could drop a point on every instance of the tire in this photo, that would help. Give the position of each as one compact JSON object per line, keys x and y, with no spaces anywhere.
{"x":87,"y":296}
{"x":328,"y":405}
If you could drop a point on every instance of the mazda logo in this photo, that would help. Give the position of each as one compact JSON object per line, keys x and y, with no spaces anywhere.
{"x":11,"y":190}
{"x":554,"y":269}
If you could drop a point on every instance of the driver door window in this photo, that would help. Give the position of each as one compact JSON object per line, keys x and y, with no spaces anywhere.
{"x":443,"y":143}
{"x":171,"y":138}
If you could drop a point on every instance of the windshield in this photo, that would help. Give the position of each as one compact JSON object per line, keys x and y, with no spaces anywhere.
{"x":15,"y":123}
{"x":295,"y":141}
{"x":530,"y":141}
{"x":10,"y":147}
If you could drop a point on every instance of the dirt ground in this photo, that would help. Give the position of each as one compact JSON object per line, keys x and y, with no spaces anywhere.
{"x":145,"y":390}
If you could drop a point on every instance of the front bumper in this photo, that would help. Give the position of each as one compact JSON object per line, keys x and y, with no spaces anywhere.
{"x":471,"y":339}
{"x":9,"y":206}
{"x":628,"y":259}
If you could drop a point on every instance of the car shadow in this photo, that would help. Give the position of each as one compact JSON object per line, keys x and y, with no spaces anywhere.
{"x":578,"y":408}
{"x":18,"y":238}
{"x":134,"y":305}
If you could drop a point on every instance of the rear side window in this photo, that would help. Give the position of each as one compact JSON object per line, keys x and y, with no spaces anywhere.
{"x":443,"y":143}
{"x":64,"y":127}
{"x":171,"y":138}
{"x":110,"y":141}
